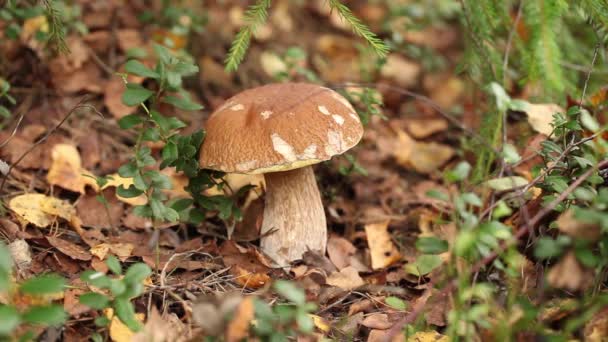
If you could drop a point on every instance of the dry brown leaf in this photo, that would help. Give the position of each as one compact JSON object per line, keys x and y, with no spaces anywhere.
{"x":66,"y":170}
{"x":129,"y":39}
{"x":249,"y":279}
{"x":347,"y":279}
{"x":238,"y":327}
{"x":161,"y":328}
{"x":445,"y":90}
{"x":422,"y":157}
{"x":93,"y":213}
{"x":70,"y":249}
{"x":21,"y":254}
{"x":377,"y":321}
{"x":382,"y":249}
{"x":569,"y":274}
{"x":113,"y":98}
{"x":210,"y":311}
{"x":405,"y":73}
{"x":596,"y":329}
{"x":376,"y":335}
{"x":121,"y":250}
{"x":118,"y":331}
{"x":540,"y":116}
{"x":422,"y":128}
{"x":340,"y":251}
{"x":567,"y":224}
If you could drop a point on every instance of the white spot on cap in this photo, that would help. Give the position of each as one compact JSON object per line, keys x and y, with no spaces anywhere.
{"x":334,"y":143}
{"x":354,"y":116}
{"x":310,"y":152}
{"x":266,"y":114}
{"x":342,"y":100}
{"x":282,"y":147}
{"x":339,"y":120}
{"x":237,"y":107}
{"x":246,"y":166}
{"x":324,"y":110}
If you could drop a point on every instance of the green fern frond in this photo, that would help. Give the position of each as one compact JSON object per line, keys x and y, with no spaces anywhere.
{"x":255,"y":16}
{"x":359,"y":28}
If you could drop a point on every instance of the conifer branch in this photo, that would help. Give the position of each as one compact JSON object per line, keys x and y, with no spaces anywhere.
{"x":359,"y":28}
{"x":255,"y":16}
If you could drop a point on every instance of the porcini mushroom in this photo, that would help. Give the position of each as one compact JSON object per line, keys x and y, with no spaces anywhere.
{"x":280,"y":130}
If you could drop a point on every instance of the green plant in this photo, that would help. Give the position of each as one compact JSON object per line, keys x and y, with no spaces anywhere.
{"x":116,"y":292}
{"x":285,"y":320}
{"x":257,"y":14}
{"x":5,"y":87}
{"x":18,"y":318}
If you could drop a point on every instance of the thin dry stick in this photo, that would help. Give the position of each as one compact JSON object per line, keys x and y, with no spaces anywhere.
{"x":46,"y":136}
{"x":411,"y":317}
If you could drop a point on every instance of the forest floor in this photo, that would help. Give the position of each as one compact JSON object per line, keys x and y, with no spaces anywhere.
{"x":371,"y":278}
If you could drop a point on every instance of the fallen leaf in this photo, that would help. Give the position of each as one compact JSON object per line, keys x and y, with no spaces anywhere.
{"x":340,"y":251}
{"x":238,"y":327}
{"x":93,"y":213}
{"x":112,"y":98}
{"x":211,"y":310}
{"x":66,"y":170}
{"x":596,"y":329}
{"x":121,"y":250}
{"x":569,"y":274}
{"x":118,"y":331}
{"x":423,"y":128}
{"x":376,"y":335}
{"x":383,"y":252}
{"x":272,"y":64}
{"x":161,"y":328}
{"x":21,"y":254}
{"x":422,"y":157}
{"x":320,"y":323}
{"x":506,"y":183}
{"x":445,"y":90}
{"x":377,"y":321}
{"x":115,"y":180}
{"x":41,"y":210}
{"x":540,"y":116}
{"x":404,"y":72}
{"x":347,"y":279}
{"x":568,"y":224}
{"x":427,"y":336}
{"x":70,"y":249}
{"x":129,"y":39}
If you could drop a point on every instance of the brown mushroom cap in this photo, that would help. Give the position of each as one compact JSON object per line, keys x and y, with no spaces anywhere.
{"x":279,"y":127}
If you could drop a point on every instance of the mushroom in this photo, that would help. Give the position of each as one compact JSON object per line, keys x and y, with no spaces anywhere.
{"x":281,"y":130}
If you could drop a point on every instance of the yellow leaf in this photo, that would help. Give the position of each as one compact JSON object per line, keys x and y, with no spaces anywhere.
{"x":121,"y":250}
{"x":118,"y":331}
{"x":427,"y":336}
{"x":66,"y":170}
{"x":28,"y":209}
{"x":115,"y":181}
{"x":320,"y":323}
{"x":540,"y":116}
{"x":383,"y":251}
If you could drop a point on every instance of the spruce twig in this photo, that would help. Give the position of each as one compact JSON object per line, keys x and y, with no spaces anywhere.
{"x":254,"y":17}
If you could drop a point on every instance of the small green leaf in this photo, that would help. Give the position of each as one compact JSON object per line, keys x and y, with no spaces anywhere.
{"x":137,"y":273}
{"x":129,"y":192}
{"x":506,"y":183}
{"x":95,"y":278}
{"x":114,"y":265}
{"x":182,"y":103}
{"x":44,"y":284}
{"x":139,"y":69}
{"x":290,"y":291}
{"x":169,"y":152}
{"x":129,"y":121}
{"x":458,"y":173}
{"x":52,"y":315}
{"x":588,"y":121}
{"x":4,"y":112}
{"x":135,"y":94}
{"x":126,"y":313}
{"x":431,"y":245}
{"x":128,"y":170}
{"x":9,"y":319}
{"x":396,"y":303}
{"x":102,"y":321}
{"x":94,"y":300}
{"x":305,"y":322}
{"x":510,"y":154}
{"x":424,"y":264}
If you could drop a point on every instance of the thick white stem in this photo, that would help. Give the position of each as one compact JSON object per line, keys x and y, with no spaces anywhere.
{"x":294,"y":216}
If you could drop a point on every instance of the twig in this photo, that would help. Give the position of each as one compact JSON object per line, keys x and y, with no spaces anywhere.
{"x":396,"y":328}
{"x":505,"y":63}
{"x":46,"y":136}
{"x":13,"y":132}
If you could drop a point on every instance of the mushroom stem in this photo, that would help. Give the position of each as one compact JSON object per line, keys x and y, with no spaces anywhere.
{"x":294,"y":210}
